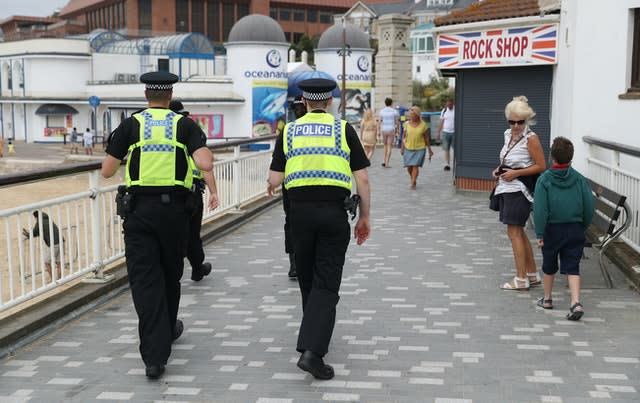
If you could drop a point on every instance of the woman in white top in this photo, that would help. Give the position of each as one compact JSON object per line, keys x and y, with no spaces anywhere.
{"x":521,"y":157}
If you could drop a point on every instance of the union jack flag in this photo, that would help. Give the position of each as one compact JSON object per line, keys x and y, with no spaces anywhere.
{"x":509,"y":46}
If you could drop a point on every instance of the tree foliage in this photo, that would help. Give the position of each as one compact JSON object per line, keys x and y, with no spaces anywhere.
{"x":306,"y":44}
{"x":432,"y":96}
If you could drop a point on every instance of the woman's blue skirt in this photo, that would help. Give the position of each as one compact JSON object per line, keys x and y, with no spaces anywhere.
{"x":414,"y":158}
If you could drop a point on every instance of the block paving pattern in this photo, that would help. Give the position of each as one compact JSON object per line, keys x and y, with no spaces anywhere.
{"x":421,"y":319}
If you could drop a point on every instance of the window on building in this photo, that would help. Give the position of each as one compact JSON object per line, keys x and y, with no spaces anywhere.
{"x":430,"y":45}
{"x":243,"y":10}
{"x":284,"y":14}
{"x":273,"y":13}
{"x":325,"y":18}
{"x":298,"y":15}
{"x":55,"y":120}
{"x":163,"y":64}
{"x":123,"y":14}
{"x":144,"y":15}
{"x":213,"y":20}
{"x":635,"y":60}
{"x":19,"y":74}
{"x":417,"y":68}
{"x":197,"y":16}
{"x":228,"y":18}
{"x":422,"y":45}
{"x":182,"y":16}
{"x":9,"y":74}
{"x":312,"y":15}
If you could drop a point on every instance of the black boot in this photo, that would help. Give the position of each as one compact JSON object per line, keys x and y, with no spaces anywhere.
{"x":315,"y":365}
{"x":292,"y":266}
{"x":198,"y":274}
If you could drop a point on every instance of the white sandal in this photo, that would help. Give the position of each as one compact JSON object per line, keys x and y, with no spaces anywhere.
{"x":535,"y":282}
{"x":517,"y":281}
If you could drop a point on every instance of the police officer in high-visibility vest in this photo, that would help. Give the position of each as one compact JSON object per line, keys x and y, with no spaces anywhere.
{"x":201,"y":179}
{"x":316,"y":158}
{"x":156,"y":207}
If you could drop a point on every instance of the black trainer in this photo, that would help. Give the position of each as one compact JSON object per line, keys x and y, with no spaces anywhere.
{"x":154,"y":371}
{"x":292,"y":267}
{"x":204,"y":270}
{"x":178,"y":330}
{"x":447,"y":168}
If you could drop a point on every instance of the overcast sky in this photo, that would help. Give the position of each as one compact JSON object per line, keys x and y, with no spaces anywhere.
{"x":37,"y":8}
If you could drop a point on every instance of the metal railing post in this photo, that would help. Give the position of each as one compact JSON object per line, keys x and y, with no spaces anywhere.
{"x":96,"y":231}
{"x":236,"y":177}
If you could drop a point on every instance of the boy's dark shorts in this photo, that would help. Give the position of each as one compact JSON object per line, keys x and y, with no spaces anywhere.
{"x":514,"y":208}
{"x":564,"y":241}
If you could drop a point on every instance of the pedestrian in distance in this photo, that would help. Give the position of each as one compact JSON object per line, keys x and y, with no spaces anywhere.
{"x":446,"y":131}
{"x":201,"y":180}
{"x":415,"y":144}
{"x":1,"y":147}
{"x":156,"y":205}
{"x":48,"y":228}
{"x":563,"y":209}
{"x":74,"y":141}
{"x":389,"y":126}
{"x":87,"y":140}
{"x":299,"y":110}
{"x":316,"y":158}
{"x":11,"y":148}
{"x":369,"y":133}
{"x":522,"y":160}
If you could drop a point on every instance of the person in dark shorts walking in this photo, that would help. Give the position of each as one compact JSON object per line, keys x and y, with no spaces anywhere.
{"x":563,"y":209}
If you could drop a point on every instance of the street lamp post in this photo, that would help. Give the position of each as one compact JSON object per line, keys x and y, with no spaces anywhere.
{"x":344,"y":52}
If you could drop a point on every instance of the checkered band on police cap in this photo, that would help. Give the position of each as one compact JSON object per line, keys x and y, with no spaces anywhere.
{"x":159,"y":80}
{"x":317,"y":89}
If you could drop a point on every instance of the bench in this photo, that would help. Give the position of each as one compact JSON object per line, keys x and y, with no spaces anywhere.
{"x":606,"y":227}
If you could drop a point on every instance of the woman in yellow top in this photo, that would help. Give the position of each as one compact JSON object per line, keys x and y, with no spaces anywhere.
{"x":368,"y":133}
{"x":414,"y":144}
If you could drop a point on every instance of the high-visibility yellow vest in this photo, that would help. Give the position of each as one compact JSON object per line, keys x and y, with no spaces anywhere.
{"x":317,"y":153}
{"x":197,"y":173}
{"x":158,"y":145}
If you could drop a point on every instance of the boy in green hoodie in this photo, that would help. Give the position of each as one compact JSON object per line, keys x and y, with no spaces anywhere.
{"x":563,"y":208}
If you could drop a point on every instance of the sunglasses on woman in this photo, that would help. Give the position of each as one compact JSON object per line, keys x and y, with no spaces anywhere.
{"x":514,"y":122}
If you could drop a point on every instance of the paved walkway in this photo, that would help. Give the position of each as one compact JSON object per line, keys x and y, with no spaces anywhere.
{"x":421,"y":318}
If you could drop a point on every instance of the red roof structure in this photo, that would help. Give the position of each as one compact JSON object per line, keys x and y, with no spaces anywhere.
{"x":491,"y":10}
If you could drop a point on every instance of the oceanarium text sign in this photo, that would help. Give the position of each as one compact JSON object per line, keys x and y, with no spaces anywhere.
{"x":499,"y":47}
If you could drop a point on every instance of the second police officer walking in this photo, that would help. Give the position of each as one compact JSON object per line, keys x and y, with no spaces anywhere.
{"x":316,"y":158}
{"x":158,"y":203}
{"x":201,"y":179}
{"x":299,"y":110}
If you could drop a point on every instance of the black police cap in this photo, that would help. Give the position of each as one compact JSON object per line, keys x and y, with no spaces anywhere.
{"x":297,"y":100}
{"x":317,"y":89}
{"x":159,"y":80}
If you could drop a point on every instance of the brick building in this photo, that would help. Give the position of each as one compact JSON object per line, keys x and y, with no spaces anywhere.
{"x":213,"y":18}
{"x":18,"y":27}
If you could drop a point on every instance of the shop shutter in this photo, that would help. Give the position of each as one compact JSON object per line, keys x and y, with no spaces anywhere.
{"x":481,"y":95}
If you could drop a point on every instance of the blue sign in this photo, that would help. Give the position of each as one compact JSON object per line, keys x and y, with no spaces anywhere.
{"x":94,"y":101}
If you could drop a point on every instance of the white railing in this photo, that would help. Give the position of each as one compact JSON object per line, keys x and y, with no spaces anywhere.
{"x":609,"y":174}
{"x":91,"y":231}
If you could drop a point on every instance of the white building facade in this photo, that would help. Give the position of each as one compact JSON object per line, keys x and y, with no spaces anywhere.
{"x":591,"y":86}
{"x":46,"y":86}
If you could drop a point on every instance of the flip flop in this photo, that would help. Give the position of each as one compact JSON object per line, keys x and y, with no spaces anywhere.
{"x":516,"y":286}
{"x":574,"y":314}
{"x":545,"y":303}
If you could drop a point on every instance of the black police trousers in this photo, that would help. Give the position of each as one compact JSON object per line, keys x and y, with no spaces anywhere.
{"x":286,"y":206}
{"x":321,"y":234}
{"x":155,"y":235}
{"x":195,"y":253}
